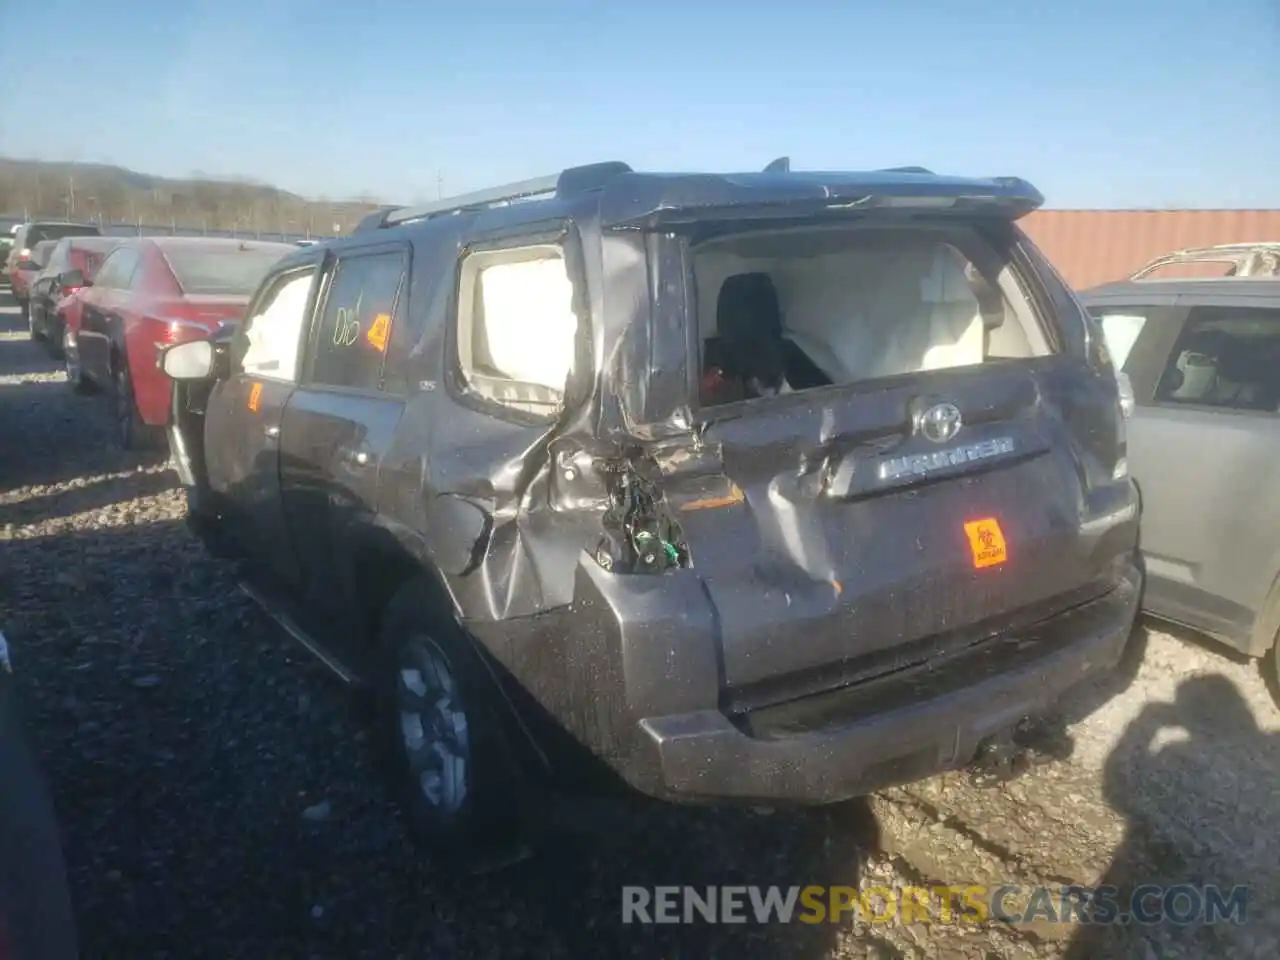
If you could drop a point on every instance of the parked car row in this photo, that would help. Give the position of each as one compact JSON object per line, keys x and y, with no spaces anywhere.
{"x":105,"y":305}
{"x":772,"y":488}
{"x":26,"y":256}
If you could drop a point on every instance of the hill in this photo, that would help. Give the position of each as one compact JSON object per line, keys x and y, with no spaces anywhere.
{"x":93,"y":191}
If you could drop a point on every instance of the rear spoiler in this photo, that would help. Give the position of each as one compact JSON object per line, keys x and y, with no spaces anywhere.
{"x":776,"y":194}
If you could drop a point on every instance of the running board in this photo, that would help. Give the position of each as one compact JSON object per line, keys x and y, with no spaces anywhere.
{"x":290,"y":626}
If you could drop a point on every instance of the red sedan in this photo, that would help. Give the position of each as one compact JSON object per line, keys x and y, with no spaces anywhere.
{"x":149,"y":293}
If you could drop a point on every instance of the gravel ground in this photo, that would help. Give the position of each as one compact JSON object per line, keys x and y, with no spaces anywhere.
{"x":218,"y":798}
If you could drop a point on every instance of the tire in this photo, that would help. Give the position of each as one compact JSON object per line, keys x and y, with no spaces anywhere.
{"x":453,"y":773}
{"x":131,"y":431}
{"x":52,"y":337}
{"x":71,"y":366}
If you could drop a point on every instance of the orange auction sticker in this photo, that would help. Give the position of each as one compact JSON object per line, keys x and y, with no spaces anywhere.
{"x":377,"y":334}
{"x":986,"y":540}
{"x":255,"y":395}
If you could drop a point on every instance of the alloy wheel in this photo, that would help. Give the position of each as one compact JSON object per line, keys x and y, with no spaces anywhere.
{"x":433,"y":726}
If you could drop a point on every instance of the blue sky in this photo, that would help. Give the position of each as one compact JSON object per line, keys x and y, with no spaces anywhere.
{"x":1098,"y":102}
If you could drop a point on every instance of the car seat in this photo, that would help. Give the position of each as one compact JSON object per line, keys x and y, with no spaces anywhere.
{"x":751,"y":341}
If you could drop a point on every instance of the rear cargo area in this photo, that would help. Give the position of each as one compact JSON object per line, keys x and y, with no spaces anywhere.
{"x":919,"y":461}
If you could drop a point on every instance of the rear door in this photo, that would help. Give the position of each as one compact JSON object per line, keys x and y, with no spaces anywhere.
{"x":243,"y":421}
{"x":100,"y":314}
{"x":1203,"y":446}
{"x":338,"y":425}
{"x":953,"y":470}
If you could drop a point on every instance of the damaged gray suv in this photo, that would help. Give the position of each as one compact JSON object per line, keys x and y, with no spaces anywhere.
{"x":772,"y":488}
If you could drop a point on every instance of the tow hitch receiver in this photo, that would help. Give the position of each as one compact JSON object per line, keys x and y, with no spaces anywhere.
{"x":1009,"y":754}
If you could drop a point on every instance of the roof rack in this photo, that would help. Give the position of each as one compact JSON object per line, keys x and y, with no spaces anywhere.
{"x":924,"y":170}
{"x":1258,"y":258}
{"x":568,"y":182}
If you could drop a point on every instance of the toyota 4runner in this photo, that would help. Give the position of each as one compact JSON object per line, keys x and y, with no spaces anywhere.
{"x":775,"y":488}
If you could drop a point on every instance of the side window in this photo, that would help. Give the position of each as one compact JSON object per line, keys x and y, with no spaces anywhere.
{"x":272,"y":332}
{"x":1120,"y":328}
{"x":1226,"y":357}
{"x":351,"y":339}
{"x":516,"y":334}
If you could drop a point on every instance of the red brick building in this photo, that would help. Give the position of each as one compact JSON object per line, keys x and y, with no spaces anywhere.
{"x":1095,"y":246}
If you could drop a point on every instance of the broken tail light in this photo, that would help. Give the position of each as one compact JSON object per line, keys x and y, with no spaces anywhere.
{"x":640,"y":536}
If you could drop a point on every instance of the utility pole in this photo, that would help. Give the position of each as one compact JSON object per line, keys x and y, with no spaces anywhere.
{"x":439,"y":184}
{"x":71,"y":196}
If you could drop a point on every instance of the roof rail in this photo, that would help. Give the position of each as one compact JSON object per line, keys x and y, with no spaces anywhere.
{"x":1259,"y":258}
{"x":568,"y":182}
{"x":374,"y":220}
{"x":924,"y":170}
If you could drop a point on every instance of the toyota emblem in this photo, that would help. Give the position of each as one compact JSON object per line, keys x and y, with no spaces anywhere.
{"x":941,"y":422}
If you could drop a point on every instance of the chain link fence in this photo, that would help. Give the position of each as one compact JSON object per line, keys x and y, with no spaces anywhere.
{"x":174,"y":229}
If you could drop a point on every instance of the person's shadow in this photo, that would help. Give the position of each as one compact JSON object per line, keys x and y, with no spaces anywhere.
{"x":1199,"y":785}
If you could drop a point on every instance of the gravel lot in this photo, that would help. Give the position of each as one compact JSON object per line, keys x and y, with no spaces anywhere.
{"x":218,"y":798}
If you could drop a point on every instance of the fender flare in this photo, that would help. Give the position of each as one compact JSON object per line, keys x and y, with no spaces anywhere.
{"x":1266,"y":625}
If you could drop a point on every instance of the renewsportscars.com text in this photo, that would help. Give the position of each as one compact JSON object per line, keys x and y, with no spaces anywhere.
{"x":1183,"y":904}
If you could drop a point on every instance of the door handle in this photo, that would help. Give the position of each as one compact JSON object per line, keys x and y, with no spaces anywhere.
{"x":272,"y":432}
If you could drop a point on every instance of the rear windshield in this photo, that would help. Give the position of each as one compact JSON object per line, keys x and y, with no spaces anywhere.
{"x":209,"y":271}
{"x":792,"y":309}
{"x":41,"y":252}
{"x":87,"y":261}
{"x":56,"y":231}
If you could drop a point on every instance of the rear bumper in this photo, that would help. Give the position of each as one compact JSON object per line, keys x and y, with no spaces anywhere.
{"x":704,"y":755}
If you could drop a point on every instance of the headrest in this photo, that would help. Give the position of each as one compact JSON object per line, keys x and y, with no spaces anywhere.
{"x":747,"y":308}
{"x":946,"y":281}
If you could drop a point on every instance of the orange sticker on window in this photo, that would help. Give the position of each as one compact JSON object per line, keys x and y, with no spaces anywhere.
{"x":255,"y":395}
{"x":986,"y":540}
{"x":377,"y":334}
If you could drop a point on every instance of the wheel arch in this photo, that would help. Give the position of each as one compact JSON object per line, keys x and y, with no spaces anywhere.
{"x":391,"y":555}
{"x":1266,"y":625}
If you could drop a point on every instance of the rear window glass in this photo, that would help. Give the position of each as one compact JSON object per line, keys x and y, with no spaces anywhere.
{"x":787,"y":310}
{"x":212,"y":271}
{"x":56,"y":231}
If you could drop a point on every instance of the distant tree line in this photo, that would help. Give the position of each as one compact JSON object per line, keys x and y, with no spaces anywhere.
{"x":107,"y":194}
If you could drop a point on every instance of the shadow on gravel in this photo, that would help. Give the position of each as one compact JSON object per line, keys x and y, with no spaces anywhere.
{"x":1196,"y":780}
{"x":19,"y":357}
{"x":50,"y":436}
{"x":219,"y":798}
{"x":91,"y":495}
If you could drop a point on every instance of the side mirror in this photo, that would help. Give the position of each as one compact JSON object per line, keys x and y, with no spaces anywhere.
{"x":189,"y":361}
